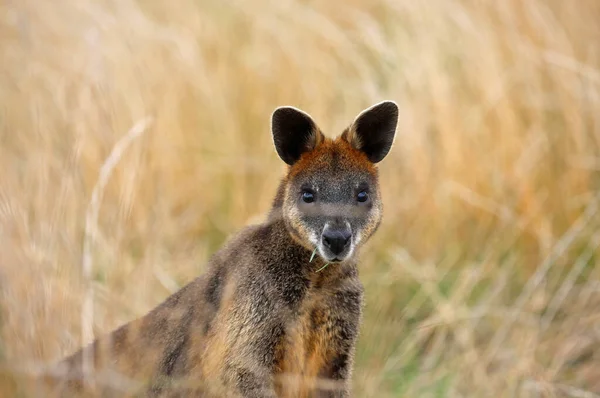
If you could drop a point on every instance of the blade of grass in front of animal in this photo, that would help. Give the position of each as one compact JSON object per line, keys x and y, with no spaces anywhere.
{"x":313,"y":255}
{"x":322,"y":268}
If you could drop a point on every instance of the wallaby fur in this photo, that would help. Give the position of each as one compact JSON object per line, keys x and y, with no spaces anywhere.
{"x":264,"y":320}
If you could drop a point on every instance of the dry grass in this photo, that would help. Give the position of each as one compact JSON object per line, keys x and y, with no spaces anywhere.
{"x":483,"y":279}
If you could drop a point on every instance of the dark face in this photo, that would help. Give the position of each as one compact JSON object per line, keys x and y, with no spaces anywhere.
{"x":332,"y":202}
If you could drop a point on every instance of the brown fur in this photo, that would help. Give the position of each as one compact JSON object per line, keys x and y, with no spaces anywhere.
{"x":260,"y":323}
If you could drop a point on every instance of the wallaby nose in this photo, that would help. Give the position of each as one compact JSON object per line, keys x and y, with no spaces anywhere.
{"x":336,"y":240}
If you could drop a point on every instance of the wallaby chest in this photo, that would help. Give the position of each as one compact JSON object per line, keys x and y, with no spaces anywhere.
{"x":319,"y":330}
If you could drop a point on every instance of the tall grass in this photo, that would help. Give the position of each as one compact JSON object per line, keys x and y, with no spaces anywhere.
{"x":483,"y":279}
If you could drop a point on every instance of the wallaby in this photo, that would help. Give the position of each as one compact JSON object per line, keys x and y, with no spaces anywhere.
{"x":278,"y":312}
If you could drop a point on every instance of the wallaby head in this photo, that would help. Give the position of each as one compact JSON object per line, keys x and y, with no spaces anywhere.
{"x":330,"y":198}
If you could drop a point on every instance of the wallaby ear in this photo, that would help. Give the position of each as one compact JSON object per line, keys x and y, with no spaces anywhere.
{"x":294,"y":132}
{"x":373,"y":130}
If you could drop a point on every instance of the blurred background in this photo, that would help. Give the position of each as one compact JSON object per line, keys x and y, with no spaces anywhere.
{"x":483,"y":278}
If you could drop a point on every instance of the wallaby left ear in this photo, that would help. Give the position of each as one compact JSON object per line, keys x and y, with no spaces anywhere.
{"x":294,"y":133}
{"x":373,"y":130}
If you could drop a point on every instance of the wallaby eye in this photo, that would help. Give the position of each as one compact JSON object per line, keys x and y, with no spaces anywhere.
{"x":362,"y":196}
{"x":308,"y":197}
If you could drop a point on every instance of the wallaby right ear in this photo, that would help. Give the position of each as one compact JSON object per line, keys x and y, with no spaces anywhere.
{"x":373,"y":130}
{"x":294,"y":132}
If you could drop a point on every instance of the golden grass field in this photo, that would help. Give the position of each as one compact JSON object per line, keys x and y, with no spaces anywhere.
{"x":483,"y":280}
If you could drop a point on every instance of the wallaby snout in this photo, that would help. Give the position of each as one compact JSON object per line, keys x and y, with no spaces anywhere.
{"x":338,"y":241}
